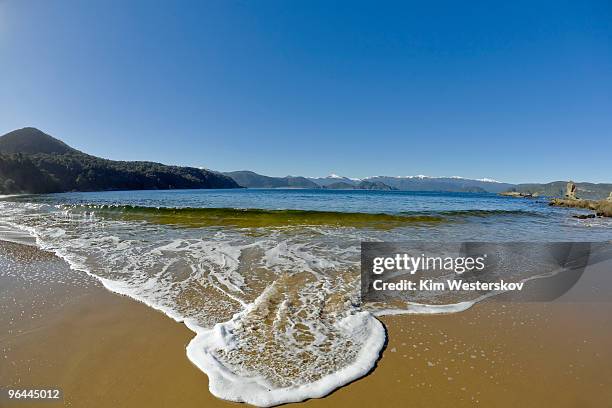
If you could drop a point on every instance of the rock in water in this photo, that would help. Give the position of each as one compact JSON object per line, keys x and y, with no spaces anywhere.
{"x":584,"y":216}
{"x":570,"y":190}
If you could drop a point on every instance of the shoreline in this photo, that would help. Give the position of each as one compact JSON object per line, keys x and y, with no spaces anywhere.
{"x":602,"y":208}
{"x":87,"y":340}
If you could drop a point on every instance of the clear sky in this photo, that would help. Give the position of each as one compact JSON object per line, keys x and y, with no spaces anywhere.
{"x":511,"y":90}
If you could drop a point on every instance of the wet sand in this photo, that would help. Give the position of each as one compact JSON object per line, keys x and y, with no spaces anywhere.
{"x":105,"y":350}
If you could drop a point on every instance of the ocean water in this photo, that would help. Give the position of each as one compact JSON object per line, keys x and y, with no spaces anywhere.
{"x":268,"y":280}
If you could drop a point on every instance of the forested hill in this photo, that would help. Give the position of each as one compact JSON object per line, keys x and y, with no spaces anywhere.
{"x":250,"y":179}
{"x":31,"y":161}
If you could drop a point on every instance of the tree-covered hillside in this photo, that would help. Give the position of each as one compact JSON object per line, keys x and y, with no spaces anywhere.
{"x":33,"y":162}
{"x":251,"y":179}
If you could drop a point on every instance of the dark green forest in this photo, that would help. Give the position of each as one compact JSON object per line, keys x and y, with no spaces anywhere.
{"x":34,"y":162}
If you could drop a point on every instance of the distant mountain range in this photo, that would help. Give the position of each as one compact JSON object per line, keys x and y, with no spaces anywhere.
{"x":426,"y":183}
{"x":32,"y":161}
{"x":454,"y":184}
{"x":333,"y":179}
{"x":250,"y":179}
{"x":362,"y":185}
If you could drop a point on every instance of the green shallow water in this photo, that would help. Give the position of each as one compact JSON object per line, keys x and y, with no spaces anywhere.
{"x":255,"y":218}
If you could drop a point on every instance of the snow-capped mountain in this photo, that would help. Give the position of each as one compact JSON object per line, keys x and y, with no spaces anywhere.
{"x":332,"y":179}
{"x":417,"y":182}
{"x":452,"y":183}
{"x":420,"y":182}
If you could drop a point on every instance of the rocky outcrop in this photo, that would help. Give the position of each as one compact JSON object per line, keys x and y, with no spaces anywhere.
{"x":584,"y":216}
{"x":589,"y":191}
{"x":602,"y":208}
{"x":570,"y":190}
{"x":519,"y":194}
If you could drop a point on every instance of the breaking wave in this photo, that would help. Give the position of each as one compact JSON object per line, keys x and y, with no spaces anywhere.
{"x":252,"y":217}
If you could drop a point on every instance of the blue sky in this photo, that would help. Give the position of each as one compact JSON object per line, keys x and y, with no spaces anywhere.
{"x":516,"y":91}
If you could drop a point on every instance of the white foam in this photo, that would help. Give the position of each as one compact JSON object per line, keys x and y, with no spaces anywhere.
{"x":417,"y":308}
{"x":12,"y":234}
{"x":225,"y":384}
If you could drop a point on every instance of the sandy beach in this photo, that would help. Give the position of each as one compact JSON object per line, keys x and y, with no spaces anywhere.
{"x":63,"y":329}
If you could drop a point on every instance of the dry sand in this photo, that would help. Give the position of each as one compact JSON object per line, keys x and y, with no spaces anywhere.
{"x":63,"y":329}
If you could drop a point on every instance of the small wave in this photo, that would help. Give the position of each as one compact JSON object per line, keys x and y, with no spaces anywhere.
{"x":484,"y":213}
{"x":252,"y":217}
